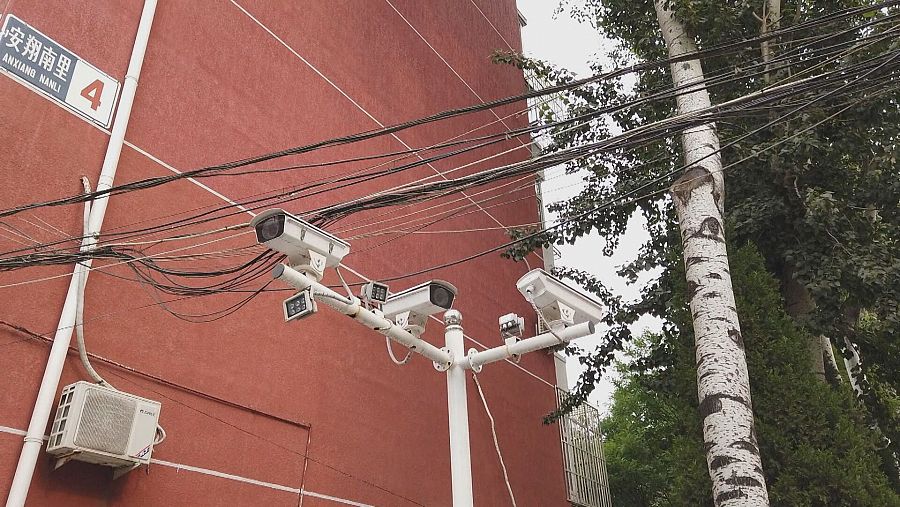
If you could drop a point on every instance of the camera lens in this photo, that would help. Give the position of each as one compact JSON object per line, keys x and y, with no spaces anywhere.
{"x":441,"y":296}
{"x":270,"y":228}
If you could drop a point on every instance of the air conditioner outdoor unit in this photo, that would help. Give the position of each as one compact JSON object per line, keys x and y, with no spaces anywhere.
{"x":103,"y":426}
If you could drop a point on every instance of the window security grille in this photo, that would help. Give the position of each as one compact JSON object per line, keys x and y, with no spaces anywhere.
{"x":585,"y":467}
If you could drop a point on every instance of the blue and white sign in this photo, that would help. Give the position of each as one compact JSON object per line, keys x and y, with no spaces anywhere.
{"x":38,"y":61}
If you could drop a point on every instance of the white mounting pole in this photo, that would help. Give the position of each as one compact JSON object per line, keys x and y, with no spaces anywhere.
{"x":34,"y":437}
{"x":476,"y":360}
{"x":452,"y":359}
{"x":352,"y":308}
{"x":458,"y":409}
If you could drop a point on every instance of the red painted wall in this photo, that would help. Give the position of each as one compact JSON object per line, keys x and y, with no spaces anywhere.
{"x":217,"y":86}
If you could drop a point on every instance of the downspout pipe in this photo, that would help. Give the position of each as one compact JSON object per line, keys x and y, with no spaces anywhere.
{"x":34,"y":437}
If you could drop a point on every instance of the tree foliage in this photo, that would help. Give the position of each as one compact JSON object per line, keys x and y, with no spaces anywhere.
{"x":822,"y":205}
{"x":817,"y":449}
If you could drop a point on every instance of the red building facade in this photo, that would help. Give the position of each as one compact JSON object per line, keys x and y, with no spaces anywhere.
{"x":257,"y":411}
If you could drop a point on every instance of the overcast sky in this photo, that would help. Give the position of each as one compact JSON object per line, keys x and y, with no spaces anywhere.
{"x":568,"y":44}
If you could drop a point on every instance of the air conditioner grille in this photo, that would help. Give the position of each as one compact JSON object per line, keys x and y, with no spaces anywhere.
{"x":105,"y":422}
{"x":62,"y":417}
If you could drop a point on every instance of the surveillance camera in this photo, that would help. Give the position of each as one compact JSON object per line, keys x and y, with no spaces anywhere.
{"x":306,"y":245}
{"x":374,"y":292}
{"x":410,"y":308}
{"x":512,"y":326}
{"x":557,"y":301}
{"x":299,"y":306}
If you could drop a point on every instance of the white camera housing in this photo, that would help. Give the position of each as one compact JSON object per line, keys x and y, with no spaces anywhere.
{"x":557,"y":301}
{"x":299,"y":305}
{"x":511,"y":326}
{"x":374,"y":292}
{"x":411,"y":308}
{"x":309,"y":248}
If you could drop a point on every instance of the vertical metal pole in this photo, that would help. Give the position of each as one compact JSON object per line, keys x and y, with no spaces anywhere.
{"x":457,"y":404}
{"x":18,"y":491}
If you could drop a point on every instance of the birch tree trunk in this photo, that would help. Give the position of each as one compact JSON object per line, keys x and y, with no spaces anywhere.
{"x":723,"y":385}
{"x":851,"y":319}
{"x":771,"y":17}
{"x":829,"y":357}
{"x":852,"y":364}
{"x":799,"y":304}
{"x":797,"y":299}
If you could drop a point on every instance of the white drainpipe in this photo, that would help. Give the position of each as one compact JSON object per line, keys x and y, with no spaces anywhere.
{"x":34,"y":438}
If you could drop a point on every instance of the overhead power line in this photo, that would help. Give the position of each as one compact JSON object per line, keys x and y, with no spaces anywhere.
{"x":298,"y":192}
{"x":866,"y":78}
{"x":362,"y":136}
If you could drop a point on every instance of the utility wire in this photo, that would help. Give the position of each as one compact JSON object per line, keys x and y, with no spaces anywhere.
{"x":512,"y":497}
{"x":693,"y":85}
{"x":353,"y":138}
{"x":479,"y":178}
{"x":871,"y":69}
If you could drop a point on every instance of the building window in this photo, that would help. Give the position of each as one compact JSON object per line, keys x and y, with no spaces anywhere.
{"x":585,"y":468}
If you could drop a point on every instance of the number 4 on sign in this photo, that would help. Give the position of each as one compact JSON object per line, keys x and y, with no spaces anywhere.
{"x":92,"y":92}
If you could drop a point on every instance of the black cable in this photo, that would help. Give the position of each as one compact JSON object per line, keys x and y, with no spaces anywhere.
{"x":872,"y":67}
{"x":666,"y":93}
{"x":442,"y":188}
{"x":597,"y":208}
{"x":230,"y":310}
{"x":362,"y":136}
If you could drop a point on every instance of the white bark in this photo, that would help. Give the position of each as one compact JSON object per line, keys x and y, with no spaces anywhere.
{"x":723,"y":385}
{"x":816,"y":353}
{"x":799,"y":305}
{"x":829,"y":355}
{"x":769,"y":21}
{"x":852,"y":364}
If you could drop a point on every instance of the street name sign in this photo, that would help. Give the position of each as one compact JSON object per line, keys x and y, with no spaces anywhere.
{"x":49,"y":68}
